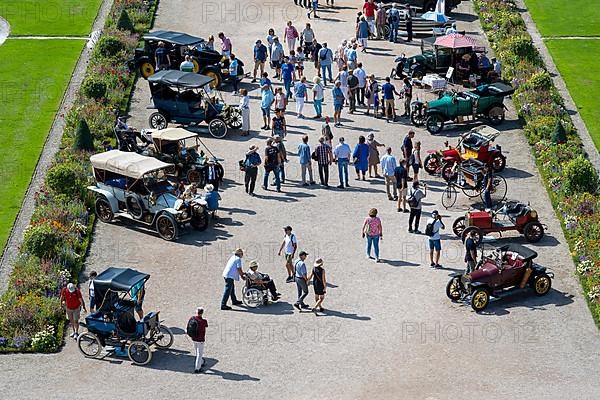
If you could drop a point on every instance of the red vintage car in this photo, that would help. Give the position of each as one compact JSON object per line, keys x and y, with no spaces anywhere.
{"x":477,"y":144}
{"x":507,"y":269}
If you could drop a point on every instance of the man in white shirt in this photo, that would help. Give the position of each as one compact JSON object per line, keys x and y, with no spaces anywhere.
{"x":343,"y":78}
{"x":231,"y":273}
{"x":360,"y":73}
{"x":388,"y":167}
{"x":434,"y":224}
{"x":497,"y":67}
{"x":288,"y":246}
{"x":341,"y":155}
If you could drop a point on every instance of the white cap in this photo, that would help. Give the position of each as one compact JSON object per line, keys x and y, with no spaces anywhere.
{"x":71,"y":288}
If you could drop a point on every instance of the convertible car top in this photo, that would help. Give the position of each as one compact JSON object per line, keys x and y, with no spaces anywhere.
{"x":523,"y":251}
{"x":181,"y":79}
{"x":182,"y":39}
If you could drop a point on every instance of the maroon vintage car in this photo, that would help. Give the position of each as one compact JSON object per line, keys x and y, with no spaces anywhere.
{"x":508,"y":268}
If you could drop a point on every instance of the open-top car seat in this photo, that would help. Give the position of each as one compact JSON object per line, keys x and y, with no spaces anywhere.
{"x":126,"y":325}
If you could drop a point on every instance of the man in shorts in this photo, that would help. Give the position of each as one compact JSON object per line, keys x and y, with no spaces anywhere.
{"x":289,"y":245}
{"x":260,"y":56}
{"x":435,"y":242}
{"x":71,"y":299}
{"x":266,"y":100}
{"x":388,"y":99}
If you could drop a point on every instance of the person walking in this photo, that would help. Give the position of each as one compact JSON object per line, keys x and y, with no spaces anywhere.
{"x":341,"y":155}
{"x":231,"y":273}
{"x":226,"y":46}
{"x":380,"y":21}
{"x":415,"y":160}
{"x":301,"y":278}
{"x":266,"y":100}
{"x":325,"y":61}
{"x":305,"y":161}
{"x":407,"y":94}
{"x":372,"y":230}
{"x":313,"y":9}
{"x":393,"y":22}
{"x":471,"y":251}
{"x":282,"y":156}
{"x":301,"y":95}
{"x":277,"y":55}
{"x":338,"y":103}
{"x":401,"y":177}
{"x":415,"y":195}
{"x":316,"y":49}
{"x":488,"y":179}
{"x":388,"y":168}
{"x":360,"y":73}
{"x":372,"y":95}
{"x":306,"y":38}
{"x":374,"y":155}
{"x":324,"y":159}
{"x":434,"y":224}
{"x":272,"y":163}
{"x":251,"y":163}
{"x":196,"y":330}
{"x":326,"y":132}
{"x":270,"y":41}
{"x":260,"y":57}
{"x":287,"y":75}
{"x":289,"y":245}
{"x":360,"y":157}
{"x":340,"y":55}
{"x":318,"y":97}
{"x":369,"y":11}
{"x":290,"y":35}
{"x":72,"y":301}
{"x":278,"y":125}
{"x":319,"y":281}
{"x":245,"y":110}
{"x":363,"y":33}
{"x":353,"y":84}
{"x":388,"y":99}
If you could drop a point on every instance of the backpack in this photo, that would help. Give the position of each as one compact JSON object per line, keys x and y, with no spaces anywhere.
{"x":192,"y":327}
{"x":412,"y":202}
{"x":429,"y":229}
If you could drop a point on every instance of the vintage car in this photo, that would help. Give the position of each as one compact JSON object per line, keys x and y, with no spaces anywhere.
{"x":186,"y":98}
{"x":507,"y":269}
{"x":485,"y":101}
{"x":206,"y":61}
{"x":135,"y":187}
{"x":512,"y":216}
{"x":423,"y":5}
{"x":476,"y":143}
{"x":114,"y":326}
{"x":424,"y":24}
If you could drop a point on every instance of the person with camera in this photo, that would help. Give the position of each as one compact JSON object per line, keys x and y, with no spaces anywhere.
{"x":415,"y":195}
{"x":434,"y":224}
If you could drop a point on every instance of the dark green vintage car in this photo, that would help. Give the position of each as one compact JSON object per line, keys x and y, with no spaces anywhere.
{"x":486,"y":101}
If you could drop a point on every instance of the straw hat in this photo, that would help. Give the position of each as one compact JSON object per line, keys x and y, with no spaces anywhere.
{"x":318,"y":263}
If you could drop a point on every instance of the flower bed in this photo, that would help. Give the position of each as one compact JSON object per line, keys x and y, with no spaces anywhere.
{"x":56,"y":241}
{"x":570,"y":179}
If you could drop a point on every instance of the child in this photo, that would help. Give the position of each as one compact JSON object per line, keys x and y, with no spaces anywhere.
{"x":299,"y":62}
{"x":293,"y":61}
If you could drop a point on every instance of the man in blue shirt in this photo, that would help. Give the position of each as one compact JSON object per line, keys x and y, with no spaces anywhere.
{"x":338,"y":103}
{"x":233,"y":72}
{"x":287,"y":74}
{"x":305,"y":161}
{"x":401,"y":176}
{"x":161,"y":55}
{"x":388,"y":99}
{"x":301,"y":276}
{"x":212,"y":198}
{"x":231,"y":273}
{"x":325,"y":60}
{"x":388,"y":167}
{"x":267,"y":98}
{"x":393,"y":22}
{"x":260,"y":56}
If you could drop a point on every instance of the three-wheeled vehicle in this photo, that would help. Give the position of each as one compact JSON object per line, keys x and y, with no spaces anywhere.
{"x":114,"y":328}
{"x":507,"y":269}
{"x":206,"y":61}
{"x":186,"y":98}
{"x":135,"y":187}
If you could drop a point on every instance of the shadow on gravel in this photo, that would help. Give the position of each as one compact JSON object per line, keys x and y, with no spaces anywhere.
{"x":398,"y":263}
{"x":179,"y":361}
{"x":340,"y":314}
{"x":526,"y":298}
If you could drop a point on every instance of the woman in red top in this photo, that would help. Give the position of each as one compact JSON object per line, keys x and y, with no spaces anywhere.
{"x":373,"y":231}
{"x":70,"y":298}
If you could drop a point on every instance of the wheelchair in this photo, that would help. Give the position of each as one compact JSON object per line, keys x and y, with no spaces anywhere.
{"x":255,"y":294}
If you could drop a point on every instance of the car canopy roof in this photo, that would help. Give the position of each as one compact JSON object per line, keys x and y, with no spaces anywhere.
{"x":523,"y":251}
{"x":179,"y":38}
{"x":119,"y":279}
{"x":125,"y":163}
{"x":501,"y":89}
{"x":173,"y":134}
{"x":182,"y":79}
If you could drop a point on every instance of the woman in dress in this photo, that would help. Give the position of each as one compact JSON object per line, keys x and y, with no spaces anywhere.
{"x":360,"y":157}
{"x":245,"y":110}
{"x":374,"y":155}
{"x":319,"y":284}
{"x":373,"y":95}
{"x":372,"y":230}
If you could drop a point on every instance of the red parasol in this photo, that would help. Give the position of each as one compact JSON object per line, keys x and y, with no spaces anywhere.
{"x":455,"y":41}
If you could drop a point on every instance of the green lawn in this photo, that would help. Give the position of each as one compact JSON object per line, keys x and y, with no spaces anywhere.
{"x":31,"y":90}
{"x":566,"y":17}
{"x":50,"y":17}
{"x":577,"y":61}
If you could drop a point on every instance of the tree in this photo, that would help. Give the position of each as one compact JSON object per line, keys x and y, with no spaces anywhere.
{"x":559,"y":134}
{"x":83,"y":137}
{"x":124,"y":23}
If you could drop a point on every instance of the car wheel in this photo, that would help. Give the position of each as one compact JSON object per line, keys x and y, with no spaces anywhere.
{"x":199,"y":220}
{"x":478,"y":234}
{"x":458,"y":227}
{"x":89,"y":344}
{"x":480,"y":299}
{"x":454,"y":289}
{"x":435,"y":124}
{"x":139,"y":352}
{"x":146,"y":70}
{"x":217,"y":128}
{"x":193,"y":176}
{"x":166,"y":227}
{"x":542,"y":284}
{"x":498,"y":163}
{"x":418,"y":75}
{"x":134,"y":207}
{"x":196,"y":65}
{"x":496,"y":115}
{"x":104,"y":210}
{"x":235,"y":120}
{"x":164,"y":337}
{"x":158,"y":120}
{"x":533,"y":231}
{"x":417,"y":118}
{"x":431,"y":164}
{"x":217,"y":79}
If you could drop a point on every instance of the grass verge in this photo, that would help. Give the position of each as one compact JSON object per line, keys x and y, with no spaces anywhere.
{"x":566,"y":18}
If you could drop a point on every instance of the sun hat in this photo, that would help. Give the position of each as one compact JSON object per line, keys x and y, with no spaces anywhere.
{"x":287,"y":228}
{"x":71,"y":288}
{"x":318,"y":263}
{"x":209,"y":188}
{"x":371,"y":136}
{"x":238,"y":251}
{"x":253,"y":148}
{"x":253,"y":264}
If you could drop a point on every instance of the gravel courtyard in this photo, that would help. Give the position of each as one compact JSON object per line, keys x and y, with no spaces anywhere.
{"x":389,"y":330}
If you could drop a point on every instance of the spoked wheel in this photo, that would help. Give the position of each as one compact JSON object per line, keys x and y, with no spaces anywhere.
{"x":89,"y":344}
{"x":252,"y":297}
{"x":199,"y":220}
{"x":542,"y":284}
{"x":235,"y":120}
{"x":453,"y":289}
{"x":480,"y":299}
{"x":496,"y":115}
{"x":498,"y":191}
{"x":533,"y":231}
{"x":146,"y":70}
{"x":435,"y":124}
{"x":417,"y":117}
{"x":193,"y":176}
{"x":471,"y":192}
{"x":449,"y":196}
{"x":448,"y":171}
{"x":458,"y":227}
{"x":216,"y":78}
{"x":217,"y":128}
{"x":498,"y":163}
{"x":164,"y":337}
{"x":103,"y":209}
{"x":158,"y":120}
{"x":431,"y":164}
{"x":139,"y":352}
{"x":166,"y":227}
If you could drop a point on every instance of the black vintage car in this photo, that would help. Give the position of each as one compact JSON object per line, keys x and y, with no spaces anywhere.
{"x":206,"y":61}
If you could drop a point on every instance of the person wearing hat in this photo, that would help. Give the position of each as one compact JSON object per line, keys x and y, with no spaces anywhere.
{"x":232,"y":272}
{"x":319,"y":284}
{"x":272,"y":162}
{"x":258,"y":278}
{"x":161,"y":57}
{"x":71,"y":299}
{"x":212,"y":198}
{"x":251,"y":163}
{"x":198,"y":325}
{"x":289,"y":245}
{"x":301,"y":277}
{"x":211,"y":174}
{"x":434,"y":224}
{"x":260,"y":56}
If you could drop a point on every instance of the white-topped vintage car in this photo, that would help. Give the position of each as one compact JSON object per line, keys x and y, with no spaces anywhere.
{"x":133,"y":186}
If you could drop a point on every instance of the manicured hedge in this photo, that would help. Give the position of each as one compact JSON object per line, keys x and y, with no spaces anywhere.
{"x":570,"y":179}
{"x":56,"y":241}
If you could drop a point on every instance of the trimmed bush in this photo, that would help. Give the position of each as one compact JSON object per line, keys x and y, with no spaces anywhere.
{"x":93,"y":88}
{"x":580,"y":176}
{"x":64,"y":179}
{"x":43,"y":240}
{"x":124,"y":23}
{"x":83,"y":137}
{"x":109,"y":46}
{"x":559,"y":134}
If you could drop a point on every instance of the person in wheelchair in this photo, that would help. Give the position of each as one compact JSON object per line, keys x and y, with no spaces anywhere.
{"x":260,"y":280}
